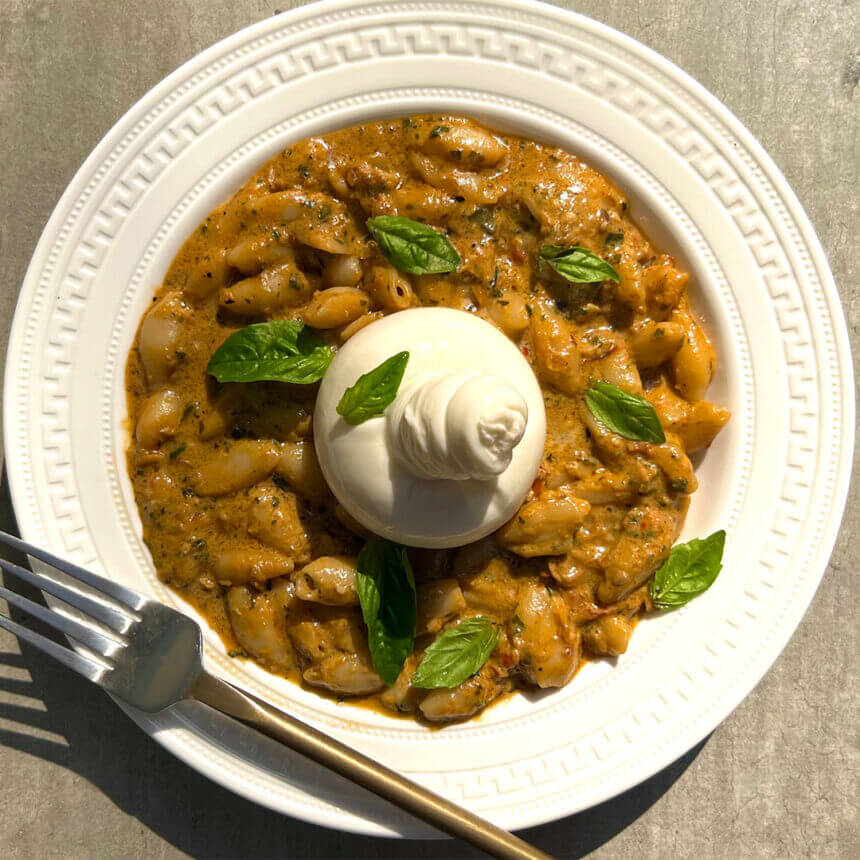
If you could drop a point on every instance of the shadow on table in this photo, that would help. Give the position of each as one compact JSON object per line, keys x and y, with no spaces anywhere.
{"x":78,"y":727}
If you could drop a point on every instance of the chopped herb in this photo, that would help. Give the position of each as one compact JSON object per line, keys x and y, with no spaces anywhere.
{"x":485,"y":218}
{"x":580,"y":297}
{"x":495,"y":292}
{"x":304,"y":172}
{"x":613,"y":240}
{"x":177,"y":451}
{"x":201,"y":552}
{"x":439,"y":129}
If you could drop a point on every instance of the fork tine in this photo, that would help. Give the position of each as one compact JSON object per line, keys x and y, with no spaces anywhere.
{"x":105,"y":586}
{"x":88,"y":668}
{"x":109,"y":616}
{"x":95,"y":641}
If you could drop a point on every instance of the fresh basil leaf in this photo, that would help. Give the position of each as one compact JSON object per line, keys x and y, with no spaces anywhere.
{"x":578,"y":265}
{"x":457,"y":654}
{"x":690,"y":569}
{"x":373,"y":391}
{"x":413,"y":247}
{"x":388,"y":652}
{"x":370,"y":569}
{"x":386,"y":592}
{"x":280,"y":350}
{"x":626,"y":414}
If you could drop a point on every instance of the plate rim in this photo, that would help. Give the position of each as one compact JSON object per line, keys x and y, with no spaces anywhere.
{"x":839,"y":326}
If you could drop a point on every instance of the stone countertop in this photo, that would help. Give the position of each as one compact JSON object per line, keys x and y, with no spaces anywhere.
{"x":779,"y":778}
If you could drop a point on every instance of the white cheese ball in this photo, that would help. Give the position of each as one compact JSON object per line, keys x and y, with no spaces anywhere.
{"x":451,"y":459}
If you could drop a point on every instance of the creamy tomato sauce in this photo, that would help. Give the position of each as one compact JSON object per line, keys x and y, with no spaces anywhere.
{"x":235,"y":511}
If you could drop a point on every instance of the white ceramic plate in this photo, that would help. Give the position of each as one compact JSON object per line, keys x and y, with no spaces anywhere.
{"x":776,"y":478}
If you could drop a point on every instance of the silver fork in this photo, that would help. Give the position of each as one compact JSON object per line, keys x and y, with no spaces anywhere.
{"x":149,"y":655}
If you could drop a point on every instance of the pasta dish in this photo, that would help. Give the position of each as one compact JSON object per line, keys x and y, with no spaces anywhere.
{"x":330,"y":236}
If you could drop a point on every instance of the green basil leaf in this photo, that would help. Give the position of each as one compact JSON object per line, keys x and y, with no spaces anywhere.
{"x":578,"y":265}
{"x":388,"y":652}
{"x":368,"y":581}
{"x":280,"y":350}
{"x":457,"y":654}
{"x":373,"y":391}
{"x":413,"y":247}
{"x":690,"y":569}
{"x":386,"y":592}
{"x":626,"y":414}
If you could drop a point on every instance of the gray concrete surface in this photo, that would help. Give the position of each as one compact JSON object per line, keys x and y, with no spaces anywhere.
{"x":778,"y":779}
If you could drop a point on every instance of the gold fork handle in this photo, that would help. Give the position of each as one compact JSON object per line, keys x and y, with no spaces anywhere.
{"x":358,"y":768}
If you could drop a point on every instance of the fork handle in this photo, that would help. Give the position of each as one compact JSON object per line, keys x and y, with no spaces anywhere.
{"x":358,"y":768}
